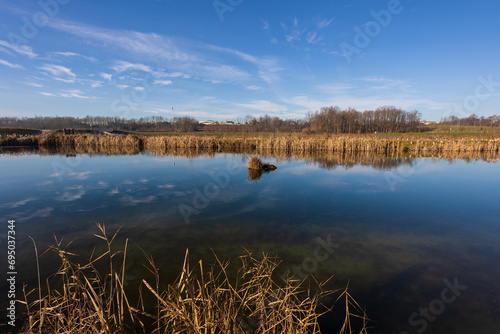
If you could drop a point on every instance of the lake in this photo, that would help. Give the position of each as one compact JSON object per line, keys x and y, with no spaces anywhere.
{"x":416,"y":238}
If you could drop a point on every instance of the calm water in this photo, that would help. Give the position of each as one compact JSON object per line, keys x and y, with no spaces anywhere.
{"x":418,"y":239}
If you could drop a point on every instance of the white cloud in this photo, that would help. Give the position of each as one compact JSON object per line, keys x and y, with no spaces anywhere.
{"x":166,"y":186}
{"x":263,"y":105}
{"x":105,"y":76}
{"x":188,"y":59}
{"x":73,"y":54}
{"x":72,"y":93}
{"x":59,"y":72}
{"x":76,"y":93}
{"x":225,"y":73}
{"x":6,"y":63}
{"x":148,"y":44}
{"x":70,"y":196}
{"x":103,"y":184}
{"x":113,"y":192}
{"x":254,"y":87}
{"x":34,"y":84}
{"x":123,"y":66}
{"x":14,"y":205}
{"x":65,"y":80}
{"x":162,"y":82}
{"x":24,"y":50}
{"x":81,"y":176}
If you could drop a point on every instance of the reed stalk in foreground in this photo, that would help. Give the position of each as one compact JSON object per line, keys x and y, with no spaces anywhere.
{"x":83,"y":299}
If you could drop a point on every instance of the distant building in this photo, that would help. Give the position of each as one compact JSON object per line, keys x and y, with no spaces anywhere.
{"x":209,"y":122}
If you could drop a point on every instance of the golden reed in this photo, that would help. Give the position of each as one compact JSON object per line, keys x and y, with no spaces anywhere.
{"x":277,"y":144}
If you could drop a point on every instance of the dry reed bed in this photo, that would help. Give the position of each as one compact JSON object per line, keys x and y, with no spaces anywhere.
{"x":329,"y":157}
{"x":275,"y":144}
{"x":202,"y":300}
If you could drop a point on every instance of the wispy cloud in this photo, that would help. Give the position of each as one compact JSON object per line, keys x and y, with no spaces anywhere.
{"x":166,"y":186}
{"x":24,"y":50}
{"x":254,"y":87}
{"x":6,"y":63}
{"x":72,"y":93}
{"x":150,"y":44}
{"x":41,"y":213}
{"x":379,"y":83}
{"x":162,"y":82}
{"x":123,"y":66}
{"x":184,"y":58}
{"x":113,"y":192}
{"x":33,"y":84}
{"x":105,"y":76}
{"x":263,"y":105}
{"x":75,"y":93}
{"x":324,"y":23}
{"x":17,"y":204}
{"x":75,"y":175}
{"x":60,"y":73}
{"x":71,"y":195}
{"x":133,"y":201}
{"x":73,"y":54}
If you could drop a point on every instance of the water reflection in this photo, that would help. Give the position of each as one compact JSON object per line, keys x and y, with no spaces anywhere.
{"x":325,"y":160}
{"x":398,"y":242}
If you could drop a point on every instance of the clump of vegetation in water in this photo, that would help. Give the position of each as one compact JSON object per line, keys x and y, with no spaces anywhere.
{"x":92,"y":298}
{"x":256,"y":163}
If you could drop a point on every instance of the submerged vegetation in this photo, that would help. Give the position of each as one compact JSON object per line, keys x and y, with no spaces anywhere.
{"x":94,"y":298}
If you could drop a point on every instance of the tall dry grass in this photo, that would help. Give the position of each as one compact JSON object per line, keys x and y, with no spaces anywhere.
{"x":347,"y":144}
{"x":202,"y":300}
{"x":254,"y":163}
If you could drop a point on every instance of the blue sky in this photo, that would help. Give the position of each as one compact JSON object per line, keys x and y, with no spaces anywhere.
{"x":225,"y":59}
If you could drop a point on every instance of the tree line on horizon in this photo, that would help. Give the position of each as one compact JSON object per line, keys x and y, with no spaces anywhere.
{"x":472,"y":120}
{"x":329,"y":120}
{"x":382,"y":119}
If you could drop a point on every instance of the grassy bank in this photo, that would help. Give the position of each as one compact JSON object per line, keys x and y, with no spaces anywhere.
{"x":205,"y":298}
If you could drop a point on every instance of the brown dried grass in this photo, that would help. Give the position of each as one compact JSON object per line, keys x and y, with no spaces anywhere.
{"x":348,"y":144}
{"x":84,"y":299}
{"x":254,"y":163}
